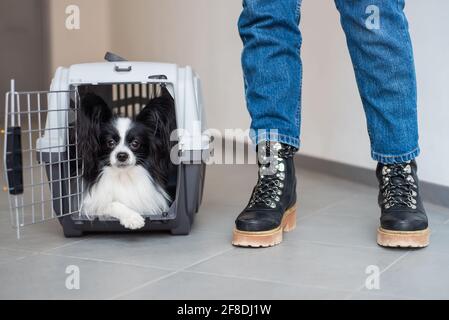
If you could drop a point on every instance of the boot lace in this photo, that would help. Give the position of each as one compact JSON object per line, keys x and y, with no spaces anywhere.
{"x":398,"y":187}
{"x":271,"y":183}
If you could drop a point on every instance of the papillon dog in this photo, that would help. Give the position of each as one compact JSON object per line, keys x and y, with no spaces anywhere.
{"x":126,"y":163}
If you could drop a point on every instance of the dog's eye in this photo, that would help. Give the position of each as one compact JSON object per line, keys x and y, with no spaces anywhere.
{"x":111,"y":144}
{"x":135,"y":144}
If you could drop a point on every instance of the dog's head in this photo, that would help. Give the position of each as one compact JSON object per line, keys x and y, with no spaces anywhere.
{"x":124,"y":143}
{"x":121,"y":143}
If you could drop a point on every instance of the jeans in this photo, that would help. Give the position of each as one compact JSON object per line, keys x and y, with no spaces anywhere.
{"x":382,"y":55}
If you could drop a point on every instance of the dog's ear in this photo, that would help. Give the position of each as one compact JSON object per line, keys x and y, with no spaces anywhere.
{"x":160,"y":117}
{"x":95,"y":109}
{"x":93,"y":113}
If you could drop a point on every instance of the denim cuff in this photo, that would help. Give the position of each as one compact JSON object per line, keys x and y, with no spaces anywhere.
{"x":257,"y":137}
{"x":392,"y":159}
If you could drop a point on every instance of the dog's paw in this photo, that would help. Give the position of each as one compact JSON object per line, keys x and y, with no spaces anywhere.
{"x":133,"y":222}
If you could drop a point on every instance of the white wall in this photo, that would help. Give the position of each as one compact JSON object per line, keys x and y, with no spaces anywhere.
{"x":203,"y":33}
{"x":430,"y":26}
{"x":334,"y":125}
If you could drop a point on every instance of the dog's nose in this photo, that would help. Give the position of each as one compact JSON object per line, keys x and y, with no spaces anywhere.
{"x":122,"y":156}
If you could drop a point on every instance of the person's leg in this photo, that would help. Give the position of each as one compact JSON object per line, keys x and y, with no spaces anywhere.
{"x":272,"y":73}
{"x":272,"y":68}
{"x":381,"y":51}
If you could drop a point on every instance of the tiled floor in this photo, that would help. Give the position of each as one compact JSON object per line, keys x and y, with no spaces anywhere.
{"x":326,"y":257}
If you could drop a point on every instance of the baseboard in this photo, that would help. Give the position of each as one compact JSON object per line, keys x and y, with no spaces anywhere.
{"x":431,"y":192}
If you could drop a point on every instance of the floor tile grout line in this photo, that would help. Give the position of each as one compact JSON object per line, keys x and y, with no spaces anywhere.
{"x":213,"y":232}
{"x":349,"y":246}
{"x":332,"y":244}
{"x":42,"y":251}
{"x":382,"y":272}
{"x":17,"y":250}
{"x":321,"y":211}
{"x":301,"y":285}
{"x":17,"y":259}
{"x":384,"y":296}
{"x":395,"y":261}
{"x":338,"y":245}
{"x":313,"y":213}
{"x":148,"y":283}
{"x":129,"y":291}
{"x":63,"y":246}
{"x":317,"y":211}
{"x":129,"y":264}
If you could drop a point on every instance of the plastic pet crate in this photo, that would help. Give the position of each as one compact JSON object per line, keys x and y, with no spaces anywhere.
{"x":43,"y":169}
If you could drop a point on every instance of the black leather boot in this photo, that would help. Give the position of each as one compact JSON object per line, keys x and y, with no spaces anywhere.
{"x":272,"y":207}
{"x":403,"y":221}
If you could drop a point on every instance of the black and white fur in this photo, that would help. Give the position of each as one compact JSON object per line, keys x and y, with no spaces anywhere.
{"x":126,"y":162}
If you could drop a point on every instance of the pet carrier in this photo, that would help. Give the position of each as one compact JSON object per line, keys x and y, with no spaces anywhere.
{"x":42,"y":164}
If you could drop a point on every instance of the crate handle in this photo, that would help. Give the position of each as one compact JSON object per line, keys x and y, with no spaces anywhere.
{"x":158,"y":77}
{"x":14,"y":164}
{"x":123,"y":69}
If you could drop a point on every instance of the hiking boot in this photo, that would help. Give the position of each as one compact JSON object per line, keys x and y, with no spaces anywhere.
{"x":272,"y":207}
{"x":403,"y":221}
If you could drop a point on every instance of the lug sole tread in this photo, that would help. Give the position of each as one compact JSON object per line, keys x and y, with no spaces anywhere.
{"x":403,"y":239}
{"x":266,"y":239}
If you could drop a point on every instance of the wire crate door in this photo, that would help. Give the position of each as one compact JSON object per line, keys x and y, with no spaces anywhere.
{"x":42,"y":167}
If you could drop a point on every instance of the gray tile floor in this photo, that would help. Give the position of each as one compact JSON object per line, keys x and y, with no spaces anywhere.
{"x":326,"y":257}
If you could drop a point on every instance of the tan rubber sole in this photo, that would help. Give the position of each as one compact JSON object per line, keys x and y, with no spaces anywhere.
{"x":265,"y":239}
{"x":403,"y":239}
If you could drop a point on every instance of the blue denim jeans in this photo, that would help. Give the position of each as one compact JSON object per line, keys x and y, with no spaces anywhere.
{"x":382,"y":55}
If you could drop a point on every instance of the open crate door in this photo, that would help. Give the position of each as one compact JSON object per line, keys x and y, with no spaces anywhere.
{"x":42,"y":168}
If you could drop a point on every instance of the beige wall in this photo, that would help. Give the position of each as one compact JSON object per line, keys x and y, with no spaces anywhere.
{"x":203,"y":35}
{"x":22,"y":54}
{"x":200,"y":33}
{"x":87,"y":44}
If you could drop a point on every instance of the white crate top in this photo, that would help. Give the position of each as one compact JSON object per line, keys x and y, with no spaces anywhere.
{"x":182,"y":82}
{"x":122,"y":72}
